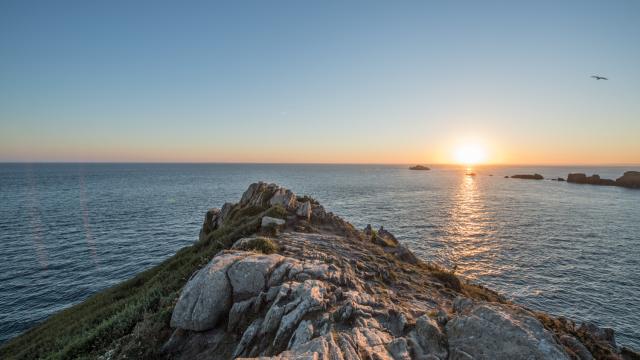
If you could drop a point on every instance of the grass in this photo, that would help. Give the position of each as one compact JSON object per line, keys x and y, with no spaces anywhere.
{"x":447,"y":277}
{"x":260,"y":244}
{"x":94,"y":326}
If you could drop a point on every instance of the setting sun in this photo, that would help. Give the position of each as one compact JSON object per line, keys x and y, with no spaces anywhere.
{"x":470,"y":154}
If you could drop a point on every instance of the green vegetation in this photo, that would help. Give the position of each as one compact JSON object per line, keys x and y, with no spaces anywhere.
{"x":307,"y":198}
{"x":134,"y":314}
{"x":447,"y":277}
{"x":260,"y":244}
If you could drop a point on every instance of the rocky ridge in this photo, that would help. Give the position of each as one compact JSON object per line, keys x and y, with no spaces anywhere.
{"x":308,"y":285}
{"x":630,"y":179}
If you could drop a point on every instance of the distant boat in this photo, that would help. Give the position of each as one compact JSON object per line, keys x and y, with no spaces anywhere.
{"x":470,"y":174}
{"x":419,"y":167}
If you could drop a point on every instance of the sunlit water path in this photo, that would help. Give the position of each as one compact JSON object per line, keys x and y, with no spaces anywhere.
{"x":70,"y":230}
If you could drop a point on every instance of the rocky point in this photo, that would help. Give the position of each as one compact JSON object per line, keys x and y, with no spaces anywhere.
{"x":308,"y":285}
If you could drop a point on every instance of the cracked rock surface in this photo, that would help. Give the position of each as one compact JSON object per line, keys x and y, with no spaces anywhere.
{"x":330,"y":291}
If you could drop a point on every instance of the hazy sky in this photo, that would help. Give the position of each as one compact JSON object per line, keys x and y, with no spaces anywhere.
{"x":319,"y":81}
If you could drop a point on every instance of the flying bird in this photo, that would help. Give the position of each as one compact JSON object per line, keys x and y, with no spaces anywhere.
{"x":599,"y":77}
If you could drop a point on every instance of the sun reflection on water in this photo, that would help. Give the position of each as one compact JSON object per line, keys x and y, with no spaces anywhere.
{"x":470,"y":238}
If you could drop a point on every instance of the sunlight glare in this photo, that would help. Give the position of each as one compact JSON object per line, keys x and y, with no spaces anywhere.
{"x":470,"y":154}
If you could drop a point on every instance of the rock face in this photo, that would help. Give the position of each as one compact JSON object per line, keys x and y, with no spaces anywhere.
{"x":630,"y":179}
{"x":206,"y":297}
{"x":498,"y":331}
{"x":579,"y":178}
{"x":304,"y":210}
{"x":333,"y":292}
{"x":528,"y":176}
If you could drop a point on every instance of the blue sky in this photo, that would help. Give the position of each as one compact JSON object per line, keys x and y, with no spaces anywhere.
{"x":302,"y":81}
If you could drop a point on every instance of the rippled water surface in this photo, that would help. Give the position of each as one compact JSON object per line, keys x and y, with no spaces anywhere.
{"x":70,"y":230}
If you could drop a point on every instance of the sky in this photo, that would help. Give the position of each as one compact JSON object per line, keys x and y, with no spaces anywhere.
{"x":320,"y":81}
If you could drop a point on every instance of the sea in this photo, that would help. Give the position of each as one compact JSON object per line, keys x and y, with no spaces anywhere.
{"x":68,"y":231}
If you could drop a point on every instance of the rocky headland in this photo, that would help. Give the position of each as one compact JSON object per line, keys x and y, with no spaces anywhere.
{"x":630,"y":179}
{"x":276,"y":276}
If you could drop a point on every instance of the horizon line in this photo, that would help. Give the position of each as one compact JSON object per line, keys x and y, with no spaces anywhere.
{"x":314,"y":163}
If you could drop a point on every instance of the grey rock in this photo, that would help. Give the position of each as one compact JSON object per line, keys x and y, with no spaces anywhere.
{"x":396,"y":322}
{"x":460,"y":304}
{"x":247,"y":337}
{"x":272,"y":319}
{"x":256,"y":193}
{"x":602,"y":334}
{"x":224,"y":213}
{"x":399,"y":349}
{"x":317,"y":211}
{"x":210,"y":223}
{"x":304,"y":210}
{"x":271,"y":221}
{"x":303,"y":334}
{"x":238,"y":314}
{"x":576,"y":346}
{"x":309,"y":296}
{"x":248,"y":276}
{"x":430,"y":338}
{"x":371,"y":342}
{"x":283,"y":197}
{"x":280,"y":273}
{"x":495,"y":331}
{"x":207,"y":296}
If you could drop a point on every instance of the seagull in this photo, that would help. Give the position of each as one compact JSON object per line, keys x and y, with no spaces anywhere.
{"x":599,"y":77}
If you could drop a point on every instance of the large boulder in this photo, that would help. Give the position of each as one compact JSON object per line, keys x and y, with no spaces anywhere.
{"x":207,"y":296}
{"x":428,"y":339}
{"x":258,"y":194}
{"x":283,"y":197}
{"x":497,"y":331}
{"x":271,"y":221}
{"x":249,"y":276}
{"x":629,"y":179}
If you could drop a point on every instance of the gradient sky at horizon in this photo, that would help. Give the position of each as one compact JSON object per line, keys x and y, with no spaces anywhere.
{"x":336,"y":82}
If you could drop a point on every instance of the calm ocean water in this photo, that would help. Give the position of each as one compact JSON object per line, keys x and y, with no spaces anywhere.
{"x":70,"y":230}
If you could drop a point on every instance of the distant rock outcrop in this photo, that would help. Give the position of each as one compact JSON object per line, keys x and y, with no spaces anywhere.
{"x":528,"y":176}
{"x":630,"y":179}
{"x":580,"y":178}
{"x":419,"y":167}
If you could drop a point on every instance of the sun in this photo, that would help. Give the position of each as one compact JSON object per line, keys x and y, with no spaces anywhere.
{"x":470,"y":154}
